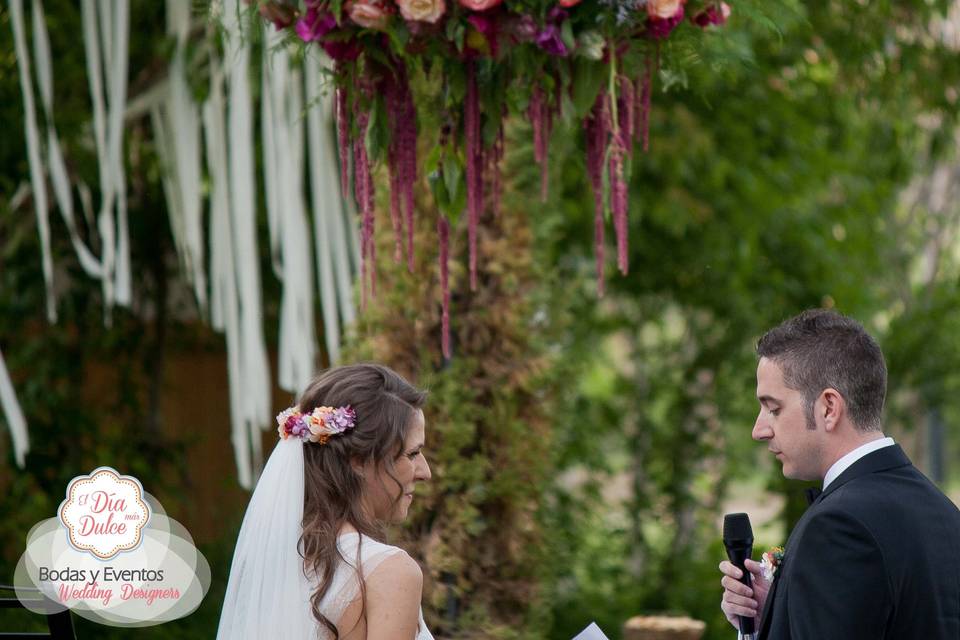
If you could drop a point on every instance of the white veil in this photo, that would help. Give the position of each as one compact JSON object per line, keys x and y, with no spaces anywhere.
{"x":268,"y":594}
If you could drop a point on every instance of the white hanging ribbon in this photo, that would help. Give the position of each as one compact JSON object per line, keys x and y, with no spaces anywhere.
{"x":14,"y":416}
{"x":254,"y":372}
{"x":180,"y":122}
{"x":55,"y":163}
{"x":40,"y":204}
{"x":224,"y":307}
{"x":282,"y":125}
{"x":106,"y":30}
{"x":117,"y":54}
{"x":333,"y":271}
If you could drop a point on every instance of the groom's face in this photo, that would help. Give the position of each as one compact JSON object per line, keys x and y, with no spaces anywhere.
{"x":783,"y":425}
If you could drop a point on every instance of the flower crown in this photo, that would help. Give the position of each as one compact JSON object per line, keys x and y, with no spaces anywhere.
{"x":318,"y":425}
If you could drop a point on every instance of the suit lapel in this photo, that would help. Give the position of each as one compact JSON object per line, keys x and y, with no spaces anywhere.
{"x":765,"y":615}
{"x":880,"y":460}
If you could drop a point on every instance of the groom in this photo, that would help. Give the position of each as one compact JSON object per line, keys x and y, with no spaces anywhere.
{"x":877,"y":555}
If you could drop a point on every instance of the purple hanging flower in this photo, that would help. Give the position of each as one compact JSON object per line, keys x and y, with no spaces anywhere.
{"x":522,"y":28}
{"x":315,"y":24}
{"x":550,"y":41}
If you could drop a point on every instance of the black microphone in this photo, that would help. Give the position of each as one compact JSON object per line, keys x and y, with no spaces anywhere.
{"x":738,"y":539}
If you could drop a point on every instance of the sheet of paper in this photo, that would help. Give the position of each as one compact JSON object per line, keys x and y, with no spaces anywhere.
{"x":591,"y":633}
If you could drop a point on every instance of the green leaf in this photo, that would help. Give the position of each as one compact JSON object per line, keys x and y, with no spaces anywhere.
{"x":399,"y":35}
{"x":588,"y":77}
{"x":566,"y":34}
{"x":377,"y":136}
{"x":439,"y":190}
{"x":452,"y":174}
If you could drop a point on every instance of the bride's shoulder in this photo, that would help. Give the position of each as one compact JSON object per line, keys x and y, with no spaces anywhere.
{"x":399,"y":568}
{"x":381,"y":561}
{"x":396,"y":585}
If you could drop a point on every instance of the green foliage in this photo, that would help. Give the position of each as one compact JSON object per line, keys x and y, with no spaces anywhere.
{"x":583,"y":450}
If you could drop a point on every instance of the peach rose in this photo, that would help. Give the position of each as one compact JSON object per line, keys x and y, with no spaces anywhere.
{"x":663,"y":9}
{"x":370,"y":14}
{"x":422,"y":10}
{"x":480,"y":5}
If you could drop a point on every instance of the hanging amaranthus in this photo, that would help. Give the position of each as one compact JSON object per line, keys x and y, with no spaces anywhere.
{"x":401,"y":157}
{"x":541,"y":119}
{"x":532,"y":44}
{"x":363,"y":192}
{"x":595,"y":129}
{"x":343,"y":138}
{"x":443,"y":234}
{"x":473,"y":146}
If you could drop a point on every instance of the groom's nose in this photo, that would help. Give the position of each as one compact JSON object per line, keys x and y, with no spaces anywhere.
{"x":761,"y":430}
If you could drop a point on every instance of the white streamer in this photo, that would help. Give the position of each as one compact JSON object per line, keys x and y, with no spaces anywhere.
{"x":179,"y":122}
{"x":55,"y":163}
{"x":253,"y":369}
{"x":40,"y":204}
{"x":282,"y":104}
{"x":328,"y":237}
{"x":14,"y":416}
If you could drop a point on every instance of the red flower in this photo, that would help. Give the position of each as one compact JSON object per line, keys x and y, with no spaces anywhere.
{"x":569,"y":3}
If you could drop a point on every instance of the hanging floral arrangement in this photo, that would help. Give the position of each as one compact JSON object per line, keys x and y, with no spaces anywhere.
{"x":593,"y":61}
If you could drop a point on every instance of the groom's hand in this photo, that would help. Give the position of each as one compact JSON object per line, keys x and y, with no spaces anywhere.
{"x":738,"y":598}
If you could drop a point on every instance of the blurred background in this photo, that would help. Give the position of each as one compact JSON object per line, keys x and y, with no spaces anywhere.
{"x":584,"y":449}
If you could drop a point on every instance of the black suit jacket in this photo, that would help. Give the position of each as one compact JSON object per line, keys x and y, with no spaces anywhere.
{"x":877,"y":556}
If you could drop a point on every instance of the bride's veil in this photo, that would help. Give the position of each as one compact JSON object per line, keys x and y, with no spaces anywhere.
{"x":268,"y":594}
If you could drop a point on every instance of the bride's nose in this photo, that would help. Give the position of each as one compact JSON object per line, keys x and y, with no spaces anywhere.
{"x":423,"y":470}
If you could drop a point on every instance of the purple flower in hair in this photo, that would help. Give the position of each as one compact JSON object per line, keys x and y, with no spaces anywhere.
{"x":342,"y":418}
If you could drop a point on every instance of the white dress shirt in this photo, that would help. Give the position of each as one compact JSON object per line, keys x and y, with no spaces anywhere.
{"x":844,"y":463}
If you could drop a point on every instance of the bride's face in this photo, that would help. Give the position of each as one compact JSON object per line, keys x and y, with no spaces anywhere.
{"x":386,"y":499}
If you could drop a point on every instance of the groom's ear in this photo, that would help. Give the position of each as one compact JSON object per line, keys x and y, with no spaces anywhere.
{"x":829,"y":409}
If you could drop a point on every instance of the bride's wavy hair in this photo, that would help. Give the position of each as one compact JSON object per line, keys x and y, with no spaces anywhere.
{"x":386,"y":406}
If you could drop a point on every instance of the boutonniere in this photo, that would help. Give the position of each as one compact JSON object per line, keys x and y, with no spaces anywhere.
{"x":770,"y":561}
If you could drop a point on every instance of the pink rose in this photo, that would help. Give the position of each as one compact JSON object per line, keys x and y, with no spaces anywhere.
{"x":422,"y":10}
{"x":370,"y":14}
{"x":663,"y":9}
{"x":480,"y":5}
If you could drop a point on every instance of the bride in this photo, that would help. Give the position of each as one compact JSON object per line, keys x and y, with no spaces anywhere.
{"x":310,"y":562}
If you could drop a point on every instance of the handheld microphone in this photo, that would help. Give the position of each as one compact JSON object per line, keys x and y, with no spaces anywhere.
{"x":738,"y":539}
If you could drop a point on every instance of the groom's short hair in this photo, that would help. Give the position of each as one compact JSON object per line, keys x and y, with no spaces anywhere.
{"x":821,"y":349}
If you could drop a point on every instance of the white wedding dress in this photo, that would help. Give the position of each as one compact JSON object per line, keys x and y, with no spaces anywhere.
{"x":344,"y":588}
{"x":268,"y":593}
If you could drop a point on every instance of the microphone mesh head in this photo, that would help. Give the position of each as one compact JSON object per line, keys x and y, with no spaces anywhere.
{"x":736,"y":526}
